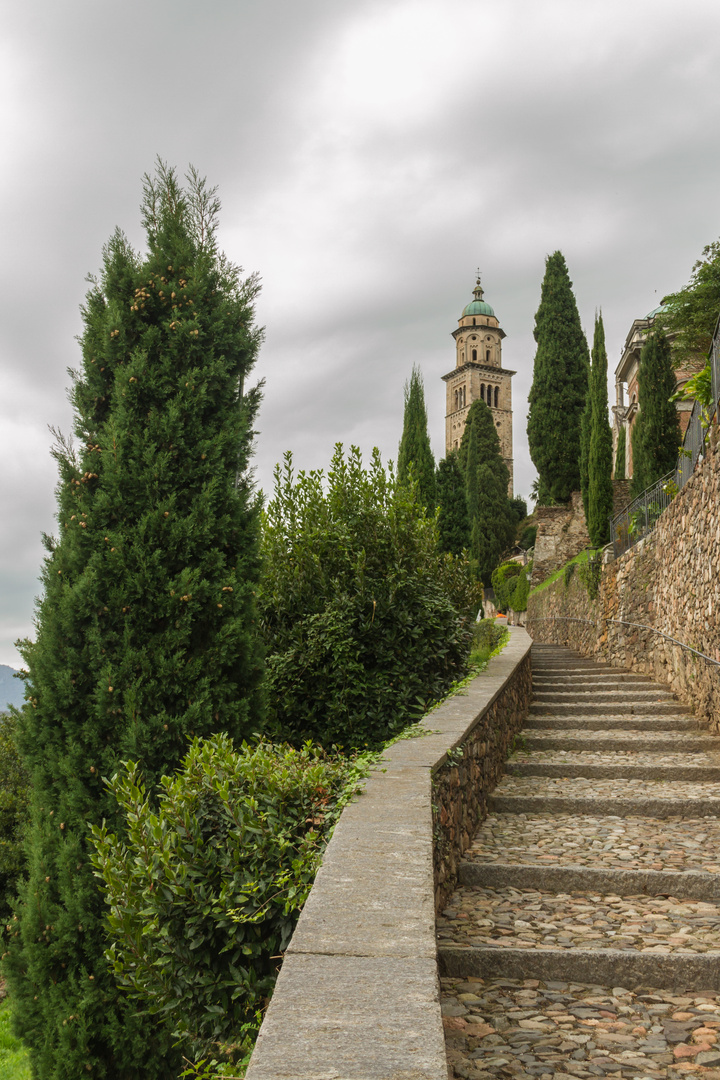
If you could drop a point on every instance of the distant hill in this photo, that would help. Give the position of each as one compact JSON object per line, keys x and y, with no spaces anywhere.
{"x":11,"y":690}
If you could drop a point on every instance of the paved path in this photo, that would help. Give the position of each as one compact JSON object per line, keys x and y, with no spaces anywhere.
{"x":584,"y":937}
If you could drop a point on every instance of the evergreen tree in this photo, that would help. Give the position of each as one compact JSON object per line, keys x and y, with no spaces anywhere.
{"x":145,"y":632}
{"x":560,"y":382}
{"x":453,"y":521}
{"x":620,"y":454}
{"x":656,"y":431}
{"x":600,"y":492}
{"x":492,"y":523}
{"x":415,"y":443}
{"x":585,"y":430}
{"x":690,"y":315}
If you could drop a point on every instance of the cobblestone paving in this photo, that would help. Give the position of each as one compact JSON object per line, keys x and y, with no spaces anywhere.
{"x":555,"y":1030}
{"x":624,"y":843}
{"x":499,"y":1028}
{"x":583,"y":788}
{"x":531,"y":919}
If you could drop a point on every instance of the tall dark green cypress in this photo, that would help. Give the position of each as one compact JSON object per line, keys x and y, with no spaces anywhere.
{"x":453,"y":521}
{"x":492,"y":523}
{"x":600,"y":492}
{"x":656,"y":432}
{"x":415,"y":443}
{"x":620,"y":466}
{"x":560,"y":382}
{"x":585,"y":430}
{"x":145,"y":629}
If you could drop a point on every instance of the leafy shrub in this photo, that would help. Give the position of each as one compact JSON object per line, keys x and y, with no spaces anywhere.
{"x":519,"y":598}
{"x":14,"y":811}
{"x":487,"y":635}
{"x":204,"y":890}
{"x":527,"y":537}
{"x":365,"y":622}
{"x":503,"y":583}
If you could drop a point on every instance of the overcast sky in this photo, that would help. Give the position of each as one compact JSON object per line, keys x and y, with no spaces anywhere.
{"x":369,"y":157}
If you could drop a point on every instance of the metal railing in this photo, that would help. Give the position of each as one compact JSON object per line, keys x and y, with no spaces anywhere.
{"x":624,"y":622}
{"x":640,"y":517}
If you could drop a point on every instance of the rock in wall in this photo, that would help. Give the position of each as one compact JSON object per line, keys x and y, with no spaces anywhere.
{"x":562,"y":533}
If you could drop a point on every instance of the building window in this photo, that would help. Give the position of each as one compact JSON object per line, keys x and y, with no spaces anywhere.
{"x":474,"y":356}
{"x":473,"y":322}
{"x":497,"y":392}
{"x":487,"y":356}
{"x":456,"y":401}
{"x":482,"y":391}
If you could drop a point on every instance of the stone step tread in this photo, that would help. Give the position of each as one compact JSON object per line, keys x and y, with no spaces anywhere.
{"x":663,"y":755}
{"x":630,"y":736}
{"x":633,"y":721}
{"x":629,"y":693}
{"x":539,"y":919}
{"x":555,"y":1037}
{"x":602,"y":708}
{"x":650,"y":843}
{"x":549,"y":787}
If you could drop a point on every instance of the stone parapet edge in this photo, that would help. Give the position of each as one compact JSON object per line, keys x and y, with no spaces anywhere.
{"x":357,"y":996}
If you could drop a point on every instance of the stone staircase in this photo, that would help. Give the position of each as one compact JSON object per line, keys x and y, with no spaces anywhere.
{"x":584,"y":937}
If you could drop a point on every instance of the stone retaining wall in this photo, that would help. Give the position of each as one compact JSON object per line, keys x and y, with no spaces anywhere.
{"x":562,"y":534}
{"x":357,"y":996}
{"x":669,"y":581}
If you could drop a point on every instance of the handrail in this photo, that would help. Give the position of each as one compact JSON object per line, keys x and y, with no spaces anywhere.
{"x":624,"y":622}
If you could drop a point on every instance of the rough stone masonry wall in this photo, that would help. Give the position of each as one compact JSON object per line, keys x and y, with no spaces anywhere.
{"x":669,"y":581}
{"x":562,"y":533}
{"x":357,"y":997}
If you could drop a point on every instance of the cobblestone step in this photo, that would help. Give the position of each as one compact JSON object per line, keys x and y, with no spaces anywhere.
{"x":641,"y":797}
{"x":621,"y":739}
{"x":607,"y":723}
{"x":575,"y":708}
{"x":617,"y":696}
{"x":689,"y":884}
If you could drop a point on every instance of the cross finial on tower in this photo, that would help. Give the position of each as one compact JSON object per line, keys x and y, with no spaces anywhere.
{"x":478,"y":290}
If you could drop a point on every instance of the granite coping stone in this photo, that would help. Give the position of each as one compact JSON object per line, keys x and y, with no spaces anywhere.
{"x":357,"y":996}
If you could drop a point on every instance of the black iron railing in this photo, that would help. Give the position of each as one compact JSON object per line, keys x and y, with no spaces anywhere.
{"x":640,"y":517}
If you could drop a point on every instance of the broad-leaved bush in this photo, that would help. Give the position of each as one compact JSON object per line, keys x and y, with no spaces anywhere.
{"x":366,"y":624}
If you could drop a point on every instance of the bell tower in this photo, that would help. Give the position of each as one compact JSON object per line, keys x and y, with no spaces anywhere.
{"x":478,"y":373}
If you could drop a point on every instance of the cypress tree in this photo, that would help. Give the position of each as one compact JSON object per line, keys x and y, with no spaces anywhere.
{"x":560,"y":382}
{"x":620,"y":454}
{"x":453,"y":521}
{"x":656,"y":432}
{"x":492,"y":524}
{"x":600,"y":492}
{"x":415,"y":443}
{"x":585,"y":430}
{"x":145,"y":632}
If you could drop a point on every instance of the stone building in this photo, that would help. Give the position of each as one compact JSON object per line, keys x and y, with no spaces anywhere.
{"x":625,"y":409}
{"x":478,"y":373}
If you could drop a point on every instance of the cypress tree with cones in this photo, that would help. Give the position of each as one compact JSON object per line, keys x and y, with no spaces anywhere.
{"x":453,"y":521}
{"x":560,"y":382}
{"x":145,"y":629}
{"x":415,"y":443}
{"x":600,"y":493}
{"x":656,"y":432}
{"x":620,"y":465}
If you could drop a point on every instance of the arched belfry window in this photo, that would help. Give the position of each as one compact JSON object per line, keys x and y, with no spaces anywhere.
{"x":482,"y":390}
{"x":473,"y":322}
{"x":487,"y":356}
{"x":456,"y":400}
{"x":474,"y":356}
{"x":497,"y":394}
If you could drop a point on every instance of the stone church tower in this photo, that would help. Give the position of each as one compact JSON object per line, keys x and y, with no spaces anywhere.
{"x":478,"y":373}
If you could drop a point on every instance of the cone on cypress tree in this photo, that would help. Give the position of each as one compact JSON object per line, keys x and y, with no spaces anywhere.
{"x":620,"y":454}
{"x":415,"y":443}
{"x":453,"y":521}
{"x":145,"y":632}
{"x":560,"y":381}
{"x":656,"y":431}
{"x":600,"y":492}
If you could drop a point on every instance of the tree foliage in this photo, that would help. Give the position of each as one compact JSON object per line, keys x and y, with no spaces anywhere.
{"x":145,"y":632}
{"x":521,"y":592}
{"x":600,"y":492}
{"x":492,"y":522}
{"x":453,"y":521}
{"x":656,"y":431}
{"x":14,"y":806}
{"x":414,"y":450}
{"x":691,"y":314}
{"x":206,"y":881}
{"x":504,"y":582}
{"x":620,"y":465}
{"x":560,"y":381}
{"x":366,"y":623}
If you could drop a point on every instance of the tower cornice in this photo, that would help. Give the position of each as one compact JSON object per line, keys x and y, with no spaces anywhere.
{"x":473,"y":365}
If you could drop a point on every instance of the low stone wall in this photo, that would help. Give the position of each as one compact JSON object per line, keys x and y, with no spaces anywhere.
{"x":669,"y":581}
{"x":357,"y":996}
{"x":562,"y":534}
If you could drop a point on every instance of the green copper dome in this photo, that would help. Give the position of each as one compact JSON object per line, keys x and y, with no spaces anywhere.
{"x":656,"y":311}
{"x":478,"y":305}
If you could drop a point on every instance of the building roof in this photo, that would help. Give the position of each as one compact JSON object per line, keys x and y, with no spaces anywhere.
{"x":477,"y":306}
